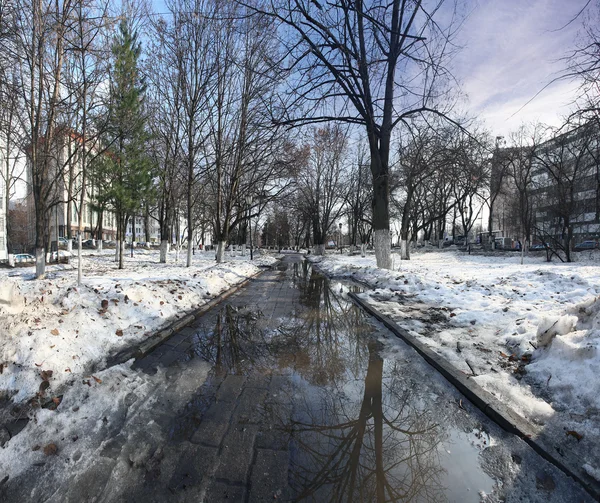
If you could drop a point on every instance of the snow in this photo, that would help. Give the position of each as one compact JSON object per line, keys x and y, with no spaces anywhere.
{"x":94,"y":410}
{"x":592,"y":472}
{"x":54,"y":325}
{"x":529,"y":334}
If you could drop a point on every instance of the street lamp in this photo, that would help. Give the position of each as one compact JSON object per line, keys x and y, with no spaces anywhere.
{"x":341,"y":249}
{"x":249,"y":203}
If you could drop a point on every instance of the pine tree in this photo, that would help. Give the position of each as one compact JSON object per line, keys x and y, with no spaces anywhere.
{"x":128,"y":166}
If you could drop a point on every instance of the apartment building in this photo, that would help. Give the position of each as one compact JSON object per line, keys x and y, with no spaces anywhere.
{"x":561,"y":178}
{"x":63,"y":220}
{"x":566,"y":185}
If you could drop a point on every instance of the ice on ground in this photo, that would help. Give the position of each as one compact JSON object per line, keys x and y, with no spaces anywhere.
{"x":96,"y":410}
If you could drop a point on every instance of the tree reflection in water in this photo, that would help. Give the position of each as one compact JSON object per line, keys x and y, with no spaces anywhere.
{"x":360,"y":430}
{"x":357,"y":436}
{"x":380,"y":448}
{"x":236,"y":344}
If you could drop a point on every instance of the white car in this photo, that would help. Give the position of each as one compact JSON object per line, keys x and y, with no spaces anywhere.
{"x":61,"y":254}
{"x":24,"y":258}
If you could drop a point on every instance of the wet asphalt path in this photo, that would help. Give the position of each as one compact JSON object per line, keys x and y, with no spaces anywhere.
{"x":306,"y":399}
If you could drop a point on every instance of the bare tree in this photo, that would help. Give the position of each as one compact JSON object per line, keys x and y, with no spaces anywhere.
{"x":521,"y":168}
{"x":11,"y":133}
{"x":375,"y":64}
{"x":192,"y":40}
{"x":242,"y":150}
{"x":89,"y":67}
{"x":12,"y":169}
{"x":359,"y":202}
{"x":40,"y":53}
{"x":321,"y":183}
{"x":567,"y":164}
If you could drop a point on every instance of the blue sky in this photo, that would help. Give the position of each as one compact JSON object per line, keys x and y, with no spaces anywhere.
{"x":511,"y":50}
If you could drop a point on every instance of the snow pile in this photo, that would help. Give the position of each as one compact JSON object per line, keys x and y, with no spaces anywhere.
{"x":504,"y":387}
{"x":54,"y":325}
{"x":569,"y":367}
{"x":117,"y":403}
{"x":549,"y":327}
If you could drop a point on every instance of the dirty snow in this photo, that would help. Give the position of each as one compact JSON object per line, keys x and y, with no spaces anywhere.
{"x":529,"y":334}
{"x":54,"y":325}
{"x":94,"y":413}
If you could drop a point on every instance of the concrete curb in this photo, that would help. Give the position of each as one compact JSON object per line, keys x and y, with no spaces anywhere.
{"x":172,"y":328}
{"x":502,"y":415}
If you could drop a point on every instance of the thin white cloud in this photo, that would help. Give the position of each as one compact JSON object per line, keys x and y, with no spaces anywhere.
{"x":511,"y":51}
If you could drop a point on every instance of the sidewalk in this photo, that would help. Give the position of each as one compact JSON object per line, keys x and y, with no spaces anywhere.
{"x":286,"y":391}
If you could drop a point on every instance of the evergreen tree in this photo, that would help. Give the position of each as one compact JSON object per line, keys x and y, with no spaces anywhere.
{"x":128,"y":166}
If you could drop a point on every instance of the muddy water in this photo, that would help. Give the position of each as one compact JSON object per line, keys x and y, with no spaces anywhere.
{"x":366,"y":420}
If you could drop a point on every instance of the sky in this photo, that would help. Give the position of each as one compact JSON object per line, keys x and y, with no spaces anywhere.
{"x":511,"y":49}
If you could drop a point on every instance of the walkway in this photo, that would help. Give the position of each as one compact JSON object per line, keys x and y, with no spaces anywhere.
{"x":301,"y":397}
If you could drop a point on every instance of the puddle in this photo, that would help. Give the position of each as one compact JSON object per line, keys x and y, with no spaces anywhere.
{"x":364,"y":425}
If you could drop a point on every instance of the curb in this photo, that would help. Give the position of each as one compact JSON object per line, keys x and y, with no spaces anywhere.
{"x":172,"y":328}
{"x":502,"y":415}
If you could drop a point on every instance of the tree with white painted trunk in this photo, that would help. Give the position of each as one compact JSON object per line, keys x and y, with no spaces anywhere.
{"x":243,"y":147}
{"x":88,"y":60}
{"x":167,"y":126}
{"x":39,"y":53}
{"x":372,"y":64}
{"x":323,"y":182}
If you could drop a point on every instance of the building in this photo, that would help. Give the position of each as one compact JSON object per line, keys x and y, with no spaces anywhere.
{"x":66,"y":168}
{"x":558,"y":184}
{"x":566,"y":186}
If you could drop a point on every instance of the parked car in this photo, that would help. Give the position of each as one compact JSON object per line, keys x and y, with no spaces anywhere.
{"x":89,"y":244}
{"x":62,"y":255}
{"x":63,"y":242}
{"x":24,"y":258}
{"x":586,"y":245}
{"x":537,"y":247}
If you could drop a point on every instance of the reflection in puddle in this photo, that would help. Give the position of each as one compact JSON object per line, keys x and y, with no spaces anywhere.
{"x":362,"y":428}
{"x":369,"y":447}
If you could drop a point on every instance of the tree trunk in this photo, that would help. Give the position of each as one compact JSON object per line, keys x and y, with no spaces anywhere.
{"x":381,"y":192}
{"x":40,"y":238}
{"x":40,"y":262}
{"x":190,"y":246}
{"x":404,"y":251}
{"x":164,"y":250}
{"x":221,"y":251}
{"x":363,"y":249}
{"x":121,"y":253}
{"x":383,"y":251}
{"x":568,"y":239}
{"x":523,"y":250}
{"x":79,"y":259}
{"x":319,"y":249}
